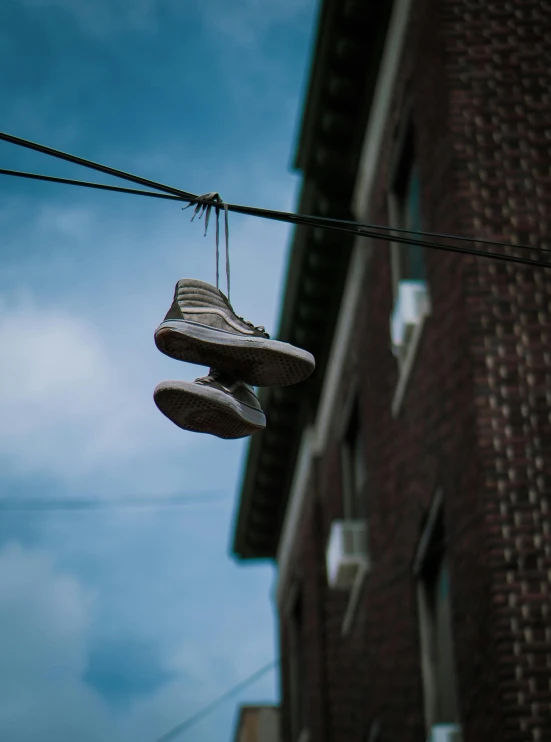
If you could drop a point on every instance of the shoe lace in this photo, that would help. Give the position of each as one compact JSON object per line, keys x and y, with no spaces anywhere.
{"x":204,"y":205}
{"x":258,"y":328}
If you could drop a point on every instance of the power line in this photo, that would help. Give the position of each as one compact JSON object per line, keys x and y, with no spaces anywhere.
{"x":23,"y":505}
{"x":357,"y":229}
{"x":43,"y":149}
{"x":343,"y":226}
{"x":87,"y":184}
{"x":213,"y":705}
{"x":179,"y":194}
{"x":319,"y":221}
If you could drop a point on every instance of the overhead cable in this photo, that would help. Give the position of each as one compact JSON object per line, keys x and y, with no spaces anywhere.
{"x":213,"y":705}
{"x":377,"y":232}
{"x":77,"y":504}
{"x":43,"y":149}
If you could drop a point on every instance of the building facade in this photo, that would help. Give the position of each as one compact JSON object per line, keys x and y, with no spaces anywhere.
{"x":404,"y":489}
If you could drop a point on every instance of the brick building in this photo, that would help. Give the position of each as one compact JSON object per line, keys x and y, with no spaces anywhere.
{"x":404,"y":489}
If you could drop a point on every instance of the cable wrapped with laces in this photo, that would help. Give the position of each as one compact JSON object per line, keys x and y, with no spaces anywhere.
{"x":203,"y":206}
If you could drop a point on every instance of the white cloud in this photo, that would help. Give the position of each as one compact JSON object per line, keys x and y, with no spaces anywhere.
{"x":63,"y":403}
{"x":45,"y":620}
{"x":37,"y":602}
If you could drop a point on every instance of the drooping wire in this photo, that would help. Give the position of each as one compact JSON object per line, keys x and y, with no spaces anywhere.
{"x":192,"y":198}
{"x":58,"y":154}
{"x":213,"y":705}
{"x":343,"y":226}
{"x":87,"y":184}
{"x":77,"y":504}
{"x":347,"y":227}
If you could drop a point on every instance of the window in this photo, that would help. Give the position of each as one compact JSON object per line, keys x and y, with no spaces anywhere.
{"x":297,"y":666}
{"x":411,"y":304}
{"x":437,"y":655}
{"x":355,"y":536}
{"x":353,"y":465}
{"x":405,"y":211}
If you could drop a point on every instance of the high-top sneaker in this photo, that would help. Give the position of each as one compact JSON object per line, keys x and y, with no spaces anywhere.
{"x":202,"y":327}
{"x":215,"y":404}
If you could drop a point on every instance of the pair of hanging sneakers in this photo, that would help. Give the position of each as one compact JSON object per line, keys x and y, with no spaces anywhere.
{"x":201,"y":327}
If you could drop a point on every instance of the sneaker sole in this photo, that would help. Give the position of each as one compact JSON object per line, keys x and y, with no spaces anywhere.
{"x":256,"y":361}
{"x":193,"y":407}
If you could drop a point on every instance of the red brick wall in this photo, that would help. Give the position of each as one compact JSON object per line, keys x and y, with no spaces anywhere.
{"x":500,"y":115}
{"x":475,"y":419}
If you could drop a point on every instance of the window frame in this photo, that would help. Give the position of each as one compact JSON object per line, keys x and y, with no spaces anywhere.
{"x":404,"y":140}
{"x":429,"y":563}
{"x":352,"y":409}
{"x":353,"y":488}
{"x":297,"y":662}
{"x":406,"y":355}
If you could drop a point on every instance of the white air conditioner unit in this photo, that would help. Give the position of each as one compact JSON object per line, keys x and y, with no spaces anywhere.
{"x":346,"y":553}
{"x":445,"y":733}
{"x":410,"y":307}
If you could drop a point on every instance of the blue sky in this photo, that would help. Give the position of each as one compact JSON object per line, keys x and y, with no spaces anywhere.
{"x":118,"y":623}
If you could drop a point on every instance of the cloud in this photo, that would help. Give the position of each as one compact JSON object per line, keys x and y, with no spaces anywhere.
{"x":63,"y":404}
{"x":145,"y":605}
{"x":45,"y":619}
{"x":61,"y":683}
{"x":37,"y":602}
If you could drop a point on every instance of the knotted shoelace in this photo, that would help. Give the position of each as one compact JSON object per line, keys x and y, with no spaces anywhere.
{"x":203,"y":206}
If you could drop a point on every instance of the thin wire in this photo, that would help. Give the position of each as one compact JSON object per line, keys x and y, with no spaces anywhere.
{"x":324,"y":222}
{"x":265,"y":213}
{"x":361,"y":232}
{"x":87,"y":184}
{"x":347,"y":227}
{"x":78,"y":505}
{"x":213,"y":705}
{"x":94,"y":165}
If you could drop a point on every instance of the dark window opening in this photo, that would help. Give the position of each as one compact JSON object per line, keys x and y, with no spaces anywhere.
{"x":353,"y":467}
{"x":405,"y":211}
{"x":437,"y":649}
{"x":298,"y":669}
